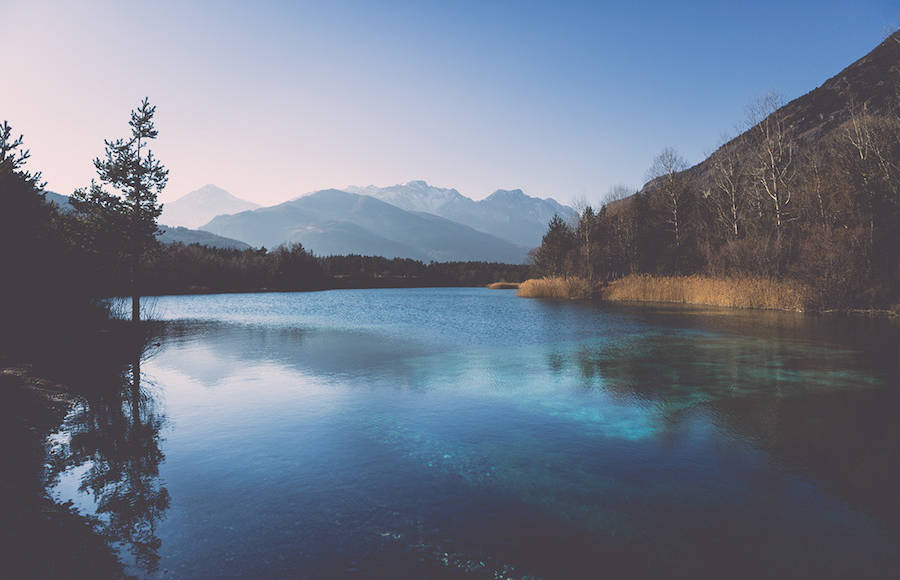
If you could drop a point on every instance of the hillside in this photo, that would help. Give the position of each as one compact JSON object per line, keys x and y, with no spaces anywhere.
{"x":508,"y":214}
{"x":872,"y":82}
{"x":187,"y":236}
{"x":337,"y":222}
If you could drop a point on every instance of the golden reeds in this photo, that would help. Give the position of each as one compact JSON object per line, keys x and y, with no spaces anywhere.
{"x":738,"y":292}
{"x":564,"y":288}
{"x":504,"y":286}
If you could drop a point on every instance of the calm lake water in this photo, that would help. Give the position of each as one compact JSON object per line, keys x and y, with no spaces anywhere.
{"x":470,"y":433}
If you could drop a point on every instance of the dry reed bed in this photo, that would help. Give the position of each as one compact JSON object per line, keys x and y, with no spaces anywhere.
{"x":504,"y":286}
{"x":557,"y":287}
{"x":742,"y":292}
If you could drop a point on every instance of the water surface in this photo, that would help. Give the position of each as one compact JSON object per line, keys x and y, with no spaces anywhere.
{"x":470,"y":433}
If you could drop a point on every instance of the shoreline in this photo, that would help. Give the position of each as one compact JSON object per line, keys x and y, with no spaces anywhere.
{"x":373,"y":286}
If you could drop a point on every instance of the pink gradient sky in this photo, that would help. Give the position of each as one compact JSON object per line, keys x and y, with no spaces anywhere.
{"x":270,"y":100}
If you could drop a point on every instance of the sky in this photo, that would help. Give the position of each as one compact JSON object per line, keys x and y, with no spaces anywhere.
{"x":270,"y":100}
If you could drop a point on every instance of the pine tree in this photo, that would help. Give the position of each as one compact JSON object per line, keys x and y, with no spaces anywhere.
{"x":132,"y":216}
{"x":552,"y":256}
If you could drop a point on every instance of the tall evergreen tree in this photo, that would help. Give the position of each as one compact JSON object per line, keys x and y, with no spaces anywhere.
{"x":552,"y":256}
{"x":131,"y":216}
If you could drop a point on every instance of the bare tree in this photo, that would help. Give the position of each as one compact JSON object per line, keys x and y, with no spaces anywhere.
{"x":816,"y":186}
{"x":774,"y":168}
{"x":889,"y":31}
{"x":579,"y":204}
{"x":871,"y":161}
{"x":616,"y":193}
{"x":728,"y":195}
{"x":667,"y":168}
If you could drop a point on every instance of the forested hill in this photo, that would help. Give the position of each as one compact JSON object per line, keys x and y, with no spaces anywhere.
{"x":871,"y":84}
{"x":809,"y":191}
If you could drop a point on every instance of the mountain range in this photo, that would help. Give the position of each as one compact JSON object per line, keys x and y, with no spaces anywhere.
{"x":332,"y":221}
{"x":506,"y":213}
{"x":412,"y":220}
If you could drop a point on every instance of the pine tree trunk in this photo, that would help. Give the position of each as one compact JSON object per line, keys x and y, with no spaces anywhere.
{"x":135,"y":296}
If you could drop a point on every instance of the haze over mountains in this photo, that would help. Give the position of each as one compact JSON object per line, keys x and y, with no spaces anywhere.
{"x":338,"y":222}
{"x":413,"y":220}
{"x":506,"y":213}
{"x":198,"y":207}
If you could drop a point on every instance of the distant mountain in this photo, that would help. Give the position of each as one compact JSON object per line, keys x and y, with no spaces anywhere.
{"x":416,"y":196}
{"x":507,"y":214}
{"x":516,"y":216}
{"x":339,"y":222}
{"x":169,"y":235}
{"x":198,"y":207}
{"x":61,"y":201}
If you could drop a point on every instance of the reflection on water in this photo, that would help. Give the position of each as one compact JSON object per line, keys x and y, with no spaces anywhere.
{"x":465,"y":432}
{"x":110,"y":444}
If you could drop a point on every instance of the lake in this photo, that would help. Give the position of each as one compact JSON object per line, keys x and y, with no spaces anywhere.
{"x":468,"y":433}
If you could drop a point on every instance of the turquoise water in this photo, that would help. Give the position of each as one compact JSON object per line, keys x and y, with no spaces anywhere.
{"x":470,"y":433}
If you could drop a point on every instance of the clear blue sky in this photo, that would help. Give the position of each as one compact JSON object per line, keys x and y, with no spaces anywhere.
{"x":271,"y":99}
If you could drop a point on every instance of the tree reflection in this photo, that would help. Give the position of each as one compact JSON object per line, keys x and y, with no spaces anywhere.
{"x":826,"y":413}
{"x":114,"y":437}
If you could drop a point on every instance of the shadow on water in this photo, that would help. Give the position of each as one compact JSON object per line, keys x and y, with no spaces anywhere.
{"x":818,"y":394}
{"x":111,"y":437}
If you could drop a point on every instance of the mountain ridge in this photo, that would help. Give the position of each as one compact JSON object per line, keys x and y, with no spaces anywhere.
{"x":509,"y":214}
{"x":391,"y":231}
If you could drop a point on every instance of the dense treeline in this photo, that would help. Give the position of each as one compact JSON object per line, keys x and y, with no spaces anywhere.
{"x":179,"y":268}
{"x":194,"y":268}
{"x":822,"y":211}
{"x":359,"y":271}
